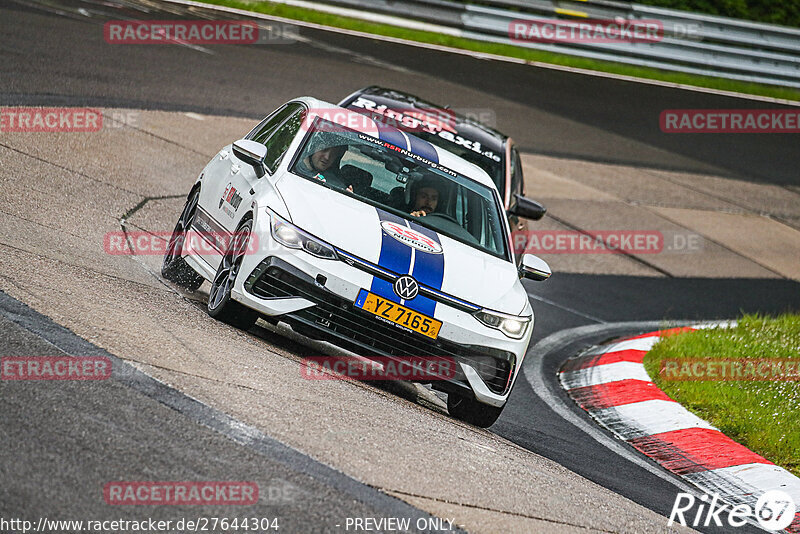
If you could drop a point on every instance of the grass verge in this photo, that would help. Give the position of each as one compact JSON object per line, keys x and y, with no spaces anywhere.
{"x":318,"y":17}
{"x":761,"y":415}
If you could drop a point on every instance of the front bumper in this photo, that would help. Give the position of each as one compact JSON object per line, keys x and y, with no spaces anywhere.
{"x":310,"y":308}
{"x":315,"y":297}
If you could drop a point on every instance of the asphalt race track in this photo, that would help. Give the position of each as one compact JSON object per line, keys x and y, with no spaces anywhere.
{"x":59,"y":440}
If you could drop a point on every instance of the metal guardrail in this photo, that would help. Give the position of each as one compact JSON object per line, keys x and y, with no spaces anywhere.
{"x":692,"y":43}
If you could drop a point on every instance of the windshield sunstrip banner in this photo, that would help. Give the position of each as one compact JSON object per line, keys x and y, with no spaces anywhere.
{"x":392,"y":145}
{"x":422,"y":121}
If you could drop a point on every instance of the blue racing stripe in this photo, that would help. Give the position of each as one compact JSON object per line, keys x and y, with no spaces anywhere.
{"x":423,"y":148}
{"x":394,"y":256}
{"x":428,"y":271}
{"x":391,"y":135}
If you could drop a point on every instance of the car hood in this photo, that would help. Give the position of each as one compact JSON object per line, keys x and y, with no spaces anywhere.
{"x":432,"y":258}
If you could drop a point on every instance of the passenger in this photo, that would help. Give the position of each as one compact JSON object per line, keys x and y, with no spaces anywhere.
{"x":325,"y":156}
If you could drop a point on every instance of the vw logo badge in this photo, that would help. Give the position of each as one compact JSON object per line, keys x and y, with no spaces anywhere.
{"x":406,"y":287}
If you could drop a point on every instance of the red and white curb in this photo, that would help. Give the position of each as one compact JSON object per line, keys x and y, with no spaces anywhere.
{"x":612,"y":385}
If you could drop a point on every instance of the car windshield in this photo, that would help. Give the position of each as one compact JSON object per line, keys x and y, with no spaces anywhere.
{"x":401,"y":182}
{"x":493,"y":164}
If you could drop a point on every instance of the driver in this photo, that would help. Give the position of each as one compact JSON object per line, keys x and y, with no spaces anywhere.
{"x":426,"y":198}
{"x":324,"y":156}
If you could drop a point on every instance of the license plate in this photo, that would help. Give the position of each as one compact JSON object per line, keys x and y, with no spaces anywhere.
{"x":397,"y":314}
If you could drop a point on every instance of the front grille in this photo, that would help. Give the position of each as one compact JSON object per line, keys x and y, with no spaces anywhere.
{"x":337,"y":315}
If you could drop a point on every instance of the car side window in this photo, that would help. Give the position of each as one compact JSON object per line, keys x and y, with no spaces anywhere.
{"x":282,"y":137}
{"x":268,"y":126}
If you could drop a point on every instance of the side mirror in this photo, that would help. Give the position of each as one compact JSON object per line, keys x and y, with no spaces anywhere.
{"x":534,"y":267}
{"x":251,"y":153}
{"x":527,"y":208}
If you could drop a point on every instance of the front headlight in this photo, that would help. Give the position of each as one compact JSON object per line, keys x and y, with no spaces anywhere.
{"x":291,"y":236}
{"x":511,"y":325}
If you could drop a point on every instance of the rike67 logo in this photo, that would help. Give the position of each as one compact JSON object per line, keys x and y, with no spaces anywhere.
{"x":774,"y":511}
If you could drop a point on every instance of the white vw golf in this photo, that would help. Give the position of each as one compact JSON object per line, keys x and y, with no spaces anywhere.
{"x":367,"y":237}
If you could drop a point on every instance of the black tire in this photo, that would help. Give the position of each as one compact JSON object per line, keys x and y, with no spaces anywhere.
{"x":471,"y":411}
{"x":220,"y":304}
{"x":174,"y":268}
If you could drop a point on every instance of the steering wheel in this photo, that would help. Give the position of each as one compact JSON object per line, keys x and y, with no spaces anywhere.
{"x":443,"y":216}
